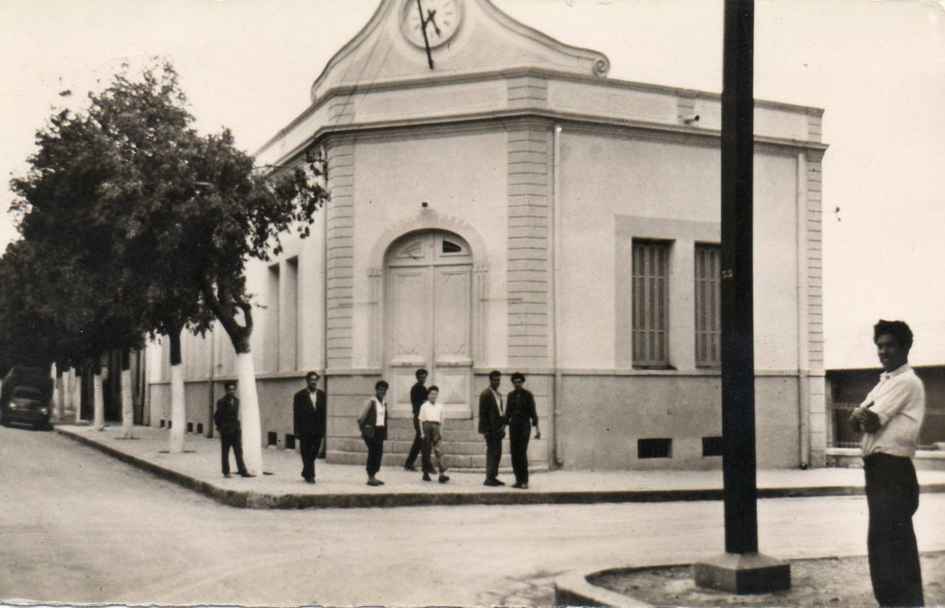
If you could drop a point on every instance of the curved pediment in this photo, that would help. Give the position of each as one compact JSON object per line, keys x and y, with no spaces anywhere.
{"x":474,"y":37}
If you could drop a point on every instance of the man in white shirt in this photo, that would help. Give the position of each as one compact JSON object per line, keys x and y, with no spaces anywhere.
{"x":431,"y":419}
{"x":890,"y":419}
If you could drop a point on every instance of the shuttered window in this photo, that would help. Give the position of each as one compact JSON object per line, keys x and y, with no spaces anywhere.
{"x":650,"y":303}
{"x":708,"y":316}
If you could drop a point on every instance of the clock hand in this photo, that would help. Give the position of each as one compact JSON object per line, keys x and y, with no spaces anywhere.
{"x":431,"y":18}
{"x":426,"y":39}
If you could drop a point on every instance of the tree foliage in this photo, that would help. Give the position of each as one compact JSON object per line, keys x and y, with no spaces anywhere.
{"x":135,"y":222}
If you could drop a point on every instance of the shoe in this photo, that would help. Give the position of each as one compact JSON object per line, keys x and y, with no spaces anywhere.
{"x":523,"y":486}
{"x":492,"y":482}
{"x":444,"y":478}
{"x":309,"y":480}
{"x":517,"y":485}
{"x":426,"y":477}
{"x":499,"y":482}
{"x":246,"y":475}
{"x":227,"y":475}
{"x":409,"y":467}
{"x":374,"y":482}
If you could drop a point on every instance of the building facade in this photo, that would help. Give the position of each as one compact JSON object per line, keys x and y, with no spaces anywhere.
{"x":498,"y":202}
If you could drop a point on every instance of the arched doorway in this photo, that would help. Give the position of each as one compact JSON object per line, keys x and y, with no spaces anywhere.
{"x":428,"y":318}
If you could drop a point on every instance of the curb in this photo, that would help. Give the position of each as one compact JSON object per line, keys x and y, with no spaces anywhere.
{"x":255,"y":500}
{"x":573,"y":589}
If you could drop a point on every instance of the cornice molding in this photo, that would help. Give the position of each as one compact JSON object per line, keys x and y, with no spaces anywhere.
{"x":509,"y":74}
{"x":502,"y":116}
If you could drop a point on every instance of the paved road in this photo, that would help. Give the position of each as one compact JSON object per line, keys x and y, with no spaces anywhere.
{"x":78,"y":526}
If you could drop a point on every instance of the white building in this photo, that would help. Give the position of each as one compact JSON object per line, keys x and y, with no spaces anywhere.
{"x":513,"y":208}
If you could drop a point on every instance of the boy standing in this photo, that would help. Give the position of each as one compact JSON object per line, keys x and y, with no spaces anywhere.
{"x":431,"y":425}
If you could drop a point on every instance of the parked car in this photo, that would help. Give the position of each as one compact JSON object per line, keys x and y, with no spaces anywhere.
{"x":26,"y":397}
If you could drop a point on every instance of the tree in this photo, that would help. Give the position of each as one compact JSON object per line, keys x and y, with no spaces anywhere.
{"x":69,"y":234}
{"x":200,"y":206}
{"x":244,"y":211}
{"x":167,"y":219}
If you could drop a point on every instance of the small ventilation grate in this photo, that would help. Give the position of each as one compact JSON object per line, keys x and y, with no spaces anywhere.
{"x":654,"y":448}
{"x":711,"y":446}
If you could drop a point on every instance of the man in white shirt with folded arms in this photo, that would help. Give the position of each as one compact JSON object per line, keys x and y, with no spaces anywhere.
{"x":890,"y":419}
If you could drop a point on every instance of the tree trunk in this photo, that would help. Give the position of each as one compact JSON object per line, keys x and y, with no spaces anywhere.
{"x":66,"y":392}
{"x":249,"y":413}
{"x":127,"y":406}
{"x":77,"y":394}
{"x":226,"y":312}
{"x":178,"y":405}
{"x":57,"y":398}
{"x":98,"y":403}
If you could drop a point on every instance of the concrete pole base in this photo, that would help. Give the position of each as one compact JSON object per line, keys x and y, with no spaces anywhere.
{"x":743,"y":573}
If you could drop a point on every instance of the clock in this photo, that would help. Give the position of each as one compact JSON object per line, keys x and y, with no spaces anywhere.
{"x":439,"y":18}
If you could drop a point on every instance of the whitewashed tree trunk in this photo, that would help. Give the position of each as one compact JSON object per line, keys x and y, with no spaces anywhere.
{"x":127,"y":407}
{"x":249,"y":413}
{"x":77,"y":397}
{"x":99,"y":402}
{"x":178,"y":410}
{"x":56,"y":401}
{"x":66,"y":392}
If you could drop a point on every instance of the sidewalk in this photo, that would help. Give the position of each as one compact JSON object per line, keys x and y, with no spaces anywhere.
{"x":343,"y":486}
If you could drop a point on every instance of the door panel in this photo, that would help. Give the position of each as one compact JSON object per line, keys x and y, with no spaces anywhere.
{"x":410,"y":331}
{"x":452,"y":349}
{"x":453,"y":291}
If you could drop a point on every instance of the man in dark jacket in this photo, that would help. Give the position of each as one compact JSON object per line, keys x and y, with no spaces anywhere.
{"x":418,"y":396}
{"x":521,"y":415}
{"x":309,"y":408}
{"x":492,"y":427}
{"x":227,"y":419}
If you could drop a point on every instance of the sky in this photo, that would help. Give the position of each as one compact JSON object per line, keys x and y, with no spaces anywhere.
{"x":876,"y":66}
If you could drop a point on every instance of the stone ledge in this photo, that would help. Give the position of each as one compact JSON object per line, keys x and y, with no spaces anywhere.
{"x":573,"y":589}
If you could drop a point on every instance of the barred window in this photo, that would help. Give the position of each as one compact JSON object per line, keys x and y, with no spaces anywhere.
{"x":650,"y":303}
{"x":708,"y":261}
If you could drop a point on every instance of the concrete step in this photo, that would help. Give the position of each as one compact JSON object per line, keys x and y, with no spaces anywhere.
{"x":462,"y":462}
{"x":401,"y":429}
{"x":403,"y":447}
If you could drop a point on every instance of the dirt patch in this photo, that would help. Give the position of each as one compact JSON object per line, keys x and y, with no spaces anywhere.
{"x":831,"y":582}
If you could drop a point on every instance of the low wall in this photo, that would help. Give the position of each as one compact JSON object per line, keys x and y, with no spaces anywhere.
{"x":602,"y":417}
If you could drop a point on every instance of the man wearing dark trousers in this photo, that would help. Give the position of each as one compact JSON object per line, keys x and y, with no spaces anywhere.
{"x":227,"y":419}
{"x":890,"y":419}
{"x":520,"y":409}
{"x":309,"y":407}
{"x":492,"y":427}
{"x":418,"y":396}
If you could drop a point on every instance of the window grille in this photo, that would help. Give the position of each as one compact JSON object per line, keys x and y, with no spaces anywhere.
{"x":650,"y":303}
{"x":708,"y":264}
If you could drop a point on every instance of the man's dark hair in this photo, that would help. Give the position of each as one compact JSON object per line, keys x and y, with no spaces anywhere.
{"x":310,"y":374}
{"x":227,"y":385}
{"x":495,"y":374}
{"x":381,"y":384}
{"x":433,"y":388}
{"x":421,"y":371}
{"x":517,"y":376}
{"x":898,"y":329}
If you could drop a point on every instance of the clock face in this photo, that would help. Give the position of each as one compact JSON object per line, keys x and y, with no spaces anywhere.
{"x":442,"y":19}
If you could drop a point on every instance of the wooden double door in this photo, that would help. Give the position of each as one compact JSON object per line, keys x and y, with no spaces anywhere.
{"x":428,"y":318}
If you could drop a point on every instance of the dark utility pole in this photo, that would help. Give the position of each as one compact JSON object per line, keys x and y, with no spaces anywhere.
{"x":741,"y":569}
{"x":738,"y":357}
